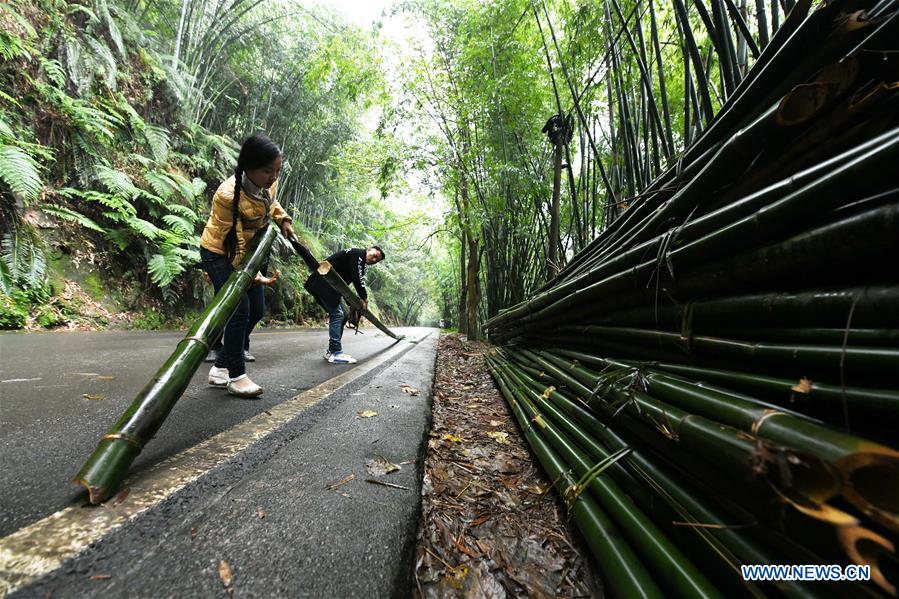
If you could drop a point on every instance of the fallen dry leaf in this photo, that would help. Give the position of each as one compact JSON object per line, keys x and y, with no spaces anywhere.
{"x":225,"y":574}
{"x":499,"y":436}
{"x":260,"y":512}
{"x":121,"y":497}
{"x":367,"y":414}
{"x":93,"y":397}
{"x":495,"y":423}
{"x":341,"y":482}
{"x":379,"y":466}
{"x":101,"y":576}
{"x":410,"y":390}
{"x":105,"y":378}
{"x":804,"y":386}
{"x":193,"y":533}
{"x":453,"y":438}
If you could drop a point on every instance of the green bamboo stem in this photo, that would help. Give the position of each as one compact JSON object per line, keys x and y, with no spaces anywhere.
{"x":672,"y":567}
{"x":784,"y":391}
{"x":738,"y":222}
{"x":624,"y":574}
{"x":105,"y":469}
{"x":732,"y":451}
{"x":869,"y":470}
{"x":847,"y":249}
{"x":853,"y":361}
{"x":811,"y":335}
{"x":870,"y":306}
{"x":725,"y":532}
{"x":336,"y":281}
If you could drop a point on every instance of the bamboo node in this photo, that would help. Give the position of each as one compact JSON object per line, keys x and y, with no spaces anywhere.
{"x":123,"y":437}
{"x":757,"y":425}
{"x":548,"y":391}
{"x":199,"y":340}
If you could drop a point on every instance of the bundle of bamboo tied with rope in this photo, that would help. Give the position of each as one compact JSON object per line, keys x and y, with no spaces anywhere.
{"x":712,"y":381}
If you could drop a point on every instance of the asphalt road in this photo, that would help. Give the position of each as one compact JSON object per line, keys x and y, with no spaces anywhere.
{"x":292,"y":515}
{"x":59,"y":392}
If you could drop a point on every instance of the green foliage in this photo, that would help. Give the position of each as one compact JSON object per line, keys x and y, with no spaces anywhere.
{"x":24,"y":260}
{"x":20,"y":172}
{"x":72,"y":216}
{"x":13,"y":315}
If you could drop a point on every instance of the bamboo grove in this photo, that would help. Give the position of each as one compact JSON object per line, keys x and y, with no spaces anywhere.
{"x":623,"y":87}
{"x":710,"y":381}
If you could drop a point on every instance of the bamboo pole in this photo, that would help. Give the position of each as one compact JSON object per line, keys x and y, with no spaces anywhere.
{"x":663,"y":557}
{"x":108,"y":465}
{"x":336,"y":281}
{"x":723,"y":533}
{"x":869,"y":470}
{"x":625,"y":575}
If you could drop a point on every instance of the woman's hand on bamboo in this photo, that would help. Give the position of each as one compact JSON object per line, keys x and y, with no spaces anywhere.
{"x":287,"y":229}
{"x":264,"y":280}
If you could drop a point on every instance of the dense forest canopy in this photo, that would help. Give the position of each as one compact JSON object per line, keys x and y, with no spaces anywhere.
{"x":429,"y":131}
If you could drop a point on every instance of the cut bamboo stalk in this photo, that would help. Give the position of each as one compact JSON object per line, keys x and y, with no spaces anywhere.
{"x":336,"y":281}
{"x":623,"y":572}
{"x":869,"y":471}
{"x":668,"y":562}
{"x":727,"y":535}
{"x":105,"y":469}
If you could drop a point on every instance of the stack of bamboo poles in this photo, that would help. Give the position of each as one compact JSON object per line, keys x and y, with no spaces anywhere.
{"x":712,"y":381}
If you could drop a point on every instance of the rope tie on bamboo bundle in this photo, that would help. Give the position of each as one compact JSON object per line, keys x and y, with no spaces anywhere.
{"x":757,"y":424}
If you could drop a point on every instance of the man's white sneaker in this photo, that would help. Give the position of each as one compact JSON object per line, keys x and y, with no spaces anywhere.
{"x":242,"y":386}
{"x":341,"y":358}
{"x":218,"y":377}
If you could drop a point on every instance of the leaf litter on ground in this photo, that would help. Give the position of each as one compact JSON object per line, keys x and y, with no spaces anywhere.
{"x":380,"y":466}
{"x":487,"y":530}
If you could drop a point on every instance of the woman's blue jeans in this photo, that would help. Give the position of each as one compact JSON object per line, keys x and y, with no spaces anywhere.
{"x":245,"y":317}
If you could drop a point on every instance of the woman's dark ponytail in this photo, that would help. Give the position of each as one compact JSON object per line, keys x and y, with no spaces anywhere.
{"x":231,"y":237}
{"x":257,"y":151}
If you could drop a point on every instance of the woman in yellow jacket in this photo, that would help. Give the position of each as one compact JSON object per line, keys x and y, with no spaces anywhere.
{"x":242,"y":205}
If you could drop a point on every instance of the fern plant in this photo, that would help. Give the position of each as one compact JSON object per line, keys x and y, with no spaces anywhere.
{"x":23,"y":256}
{"x":20,"y":172}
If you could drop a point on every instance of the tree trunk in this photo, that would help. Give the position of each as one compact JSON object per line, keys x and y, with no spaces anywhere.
{"x":463,"y":268}
{"x":552,"y":250}
{"x":474,"y":287}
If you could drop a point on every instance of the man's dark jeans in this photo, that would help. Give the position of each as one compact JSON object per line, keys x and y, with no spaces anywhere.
{"x":335,"y":329}
{"x":244,"y":319}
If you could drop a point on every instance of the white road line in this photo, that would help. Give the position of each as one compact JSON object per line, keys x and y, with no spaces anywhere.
{"x":42,"y":547}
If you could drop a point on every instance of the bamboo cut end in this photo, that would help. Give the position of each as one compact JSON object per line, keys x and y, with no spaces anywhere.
{"x":96,"y":495}
{"x":107,"y":467}
{"x":866,"y":547}
{"x":872,"y":485}
{"x":324,"y":267}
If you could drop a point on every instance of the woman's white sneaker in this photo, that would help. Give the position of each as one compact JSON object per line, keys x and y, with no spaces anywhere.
{"x":218,"y":377}
{"x":242,"y":386}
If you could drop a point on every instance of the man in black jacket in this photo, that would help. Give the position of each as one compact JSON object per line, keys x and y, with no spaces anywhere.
{"x":350,"y":265}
